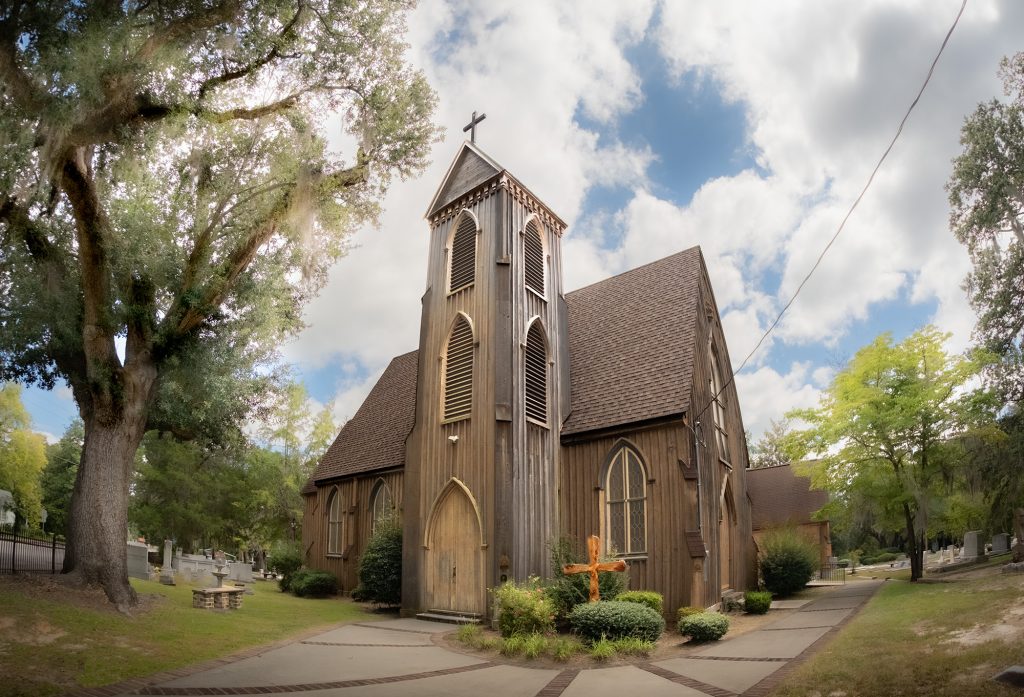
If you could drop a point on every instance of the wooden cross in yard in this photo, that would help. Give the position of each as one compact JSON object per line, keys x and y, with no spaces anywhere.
{"x":594,"y":551}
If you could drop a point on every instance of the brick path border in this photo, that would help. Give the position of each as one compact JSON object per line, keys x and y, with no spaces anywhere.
{"x":685,"y":681}
{"x":558,"y":684}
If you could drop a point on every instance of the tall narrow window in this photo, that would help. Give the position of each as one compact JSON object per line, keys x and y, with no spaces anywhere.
{"x":462,"y":254}
{"x":533,"y":257}
{"x":625,"y":496}
{"x":458,"y":371}
{"x":718,"y":410}
{"x":334,"y":522}
{"x":536,"y":378}
{"x":381,"y":504}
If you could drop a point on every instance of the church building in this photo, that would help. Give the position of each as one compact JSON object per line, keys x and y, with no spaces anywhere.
{"x":529,"y":414}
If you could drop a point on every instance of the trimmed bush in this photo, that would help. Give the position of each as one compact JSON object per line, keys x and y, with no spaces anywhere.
{"x":568,"y":591}
{"x":524,"y":609}
{"x":649,"y":598}
{"x":309,"y":583}
{"x":380,"y":567}
{"x":788,"y":561}
{"x":704,"y":626}
{"x":613,"y":619}
{"x":757,"y":602}
{"x":687,"y":610}
{"x":285,"y":560}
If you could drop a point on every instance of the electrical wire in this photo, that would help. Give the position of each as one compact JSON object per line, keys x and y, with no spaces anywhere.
{"x":849,"y":213}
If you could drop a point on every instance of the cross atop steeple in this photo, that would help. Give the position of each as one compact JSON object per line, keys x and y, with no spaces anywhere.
{"x":471,"y":126}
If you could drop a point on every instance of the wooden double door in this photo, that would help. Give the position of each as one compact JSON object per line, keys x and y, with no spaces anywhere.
{"x":453,"y":557}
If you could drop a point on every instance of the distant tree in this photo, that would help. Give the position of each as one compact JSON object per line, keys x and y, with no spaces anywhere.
{"x":22,"y":455}
{"x":58,"y":480}
{"x":986,"y":193}
{"x":167,"y":180}
{"x":885,"y":425}
{"x":770,"y":449}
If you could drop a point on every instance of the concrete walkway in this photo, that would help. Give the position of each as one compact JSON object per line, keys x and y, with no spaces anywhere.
{"x":399,"y":657}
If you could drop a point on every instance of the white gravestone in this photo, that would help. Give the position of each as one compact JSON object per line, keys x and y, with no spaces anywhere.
{"x":972,"y":545}
{"x":1000,"y":543}
{"x":167,"y":570}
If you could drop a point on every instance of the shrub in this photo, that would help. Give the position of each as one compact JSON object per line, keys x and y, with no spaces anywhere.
{"x":564,"y":648}
{"x":285,"y":560}
{"x":704,"y":626}
{"x":687,"y":610}
{"x":757,"y":602}
{"x":788,"y":561}
{"x":631,"y":646}
{"x":534,"y":645}
{"x":380,"y":567}
{"x":470,"y":634}
{"x":613,"y":619}
{"x":649,"y":598}
{"x":568,"y":591}
{"x":308,"y":583}
{"x":524,"y":609}
{"x":513,"y":645}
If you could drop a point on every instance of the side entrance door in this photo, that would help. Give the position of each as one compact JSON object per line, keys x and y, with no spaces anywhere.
{"x":454,"y":579}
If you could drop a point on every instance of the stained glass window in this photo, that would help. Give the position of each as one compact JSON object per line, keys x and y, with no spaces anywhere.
{"x":625,"y":497}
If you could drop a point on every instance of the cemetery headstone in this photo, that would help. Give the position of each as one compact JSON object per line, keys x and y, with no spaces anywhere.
{"x":138,"y":560}
{"x":1000,"y":543}
{"x":167,"y":570}
{"x":972,"y":545}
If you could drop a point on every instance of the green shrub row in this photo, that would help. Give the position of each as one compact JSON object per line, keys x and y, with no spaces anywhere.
{"x":613,"y":619}
{"x":649,"y":598}
{"x":309,"y":583}
{"x":879,"y":559}
{"x":788,"y":561}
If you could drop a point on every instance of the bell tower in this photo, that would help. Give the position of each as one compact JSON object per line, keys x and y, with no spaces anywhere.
{"x":481,"y":472}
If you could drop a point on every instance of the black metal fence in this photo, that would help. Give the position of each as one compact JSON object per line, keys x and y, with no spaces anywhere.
{"x":21,"y":553}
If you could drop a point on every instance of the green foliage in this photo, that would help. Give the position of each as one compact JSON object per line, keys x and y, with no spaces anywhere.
{"x":513,"y":645}
{"x":770,"y":450}
{"x":879,"y":558}
{"x":564,"y":648}
{"x":985,"y":194}
{"x":534,"y":645}
{"x":651,"y":599}
{"x":310,"y":583}
{"x":469,"y":634}
{"x":704,"y":626}
{"x":22,"y":455}
{"x":686,"y":611}
{"x":380,"y":567}
{"x":757,"y":602}
{"x":569,"y":590}
{"x":58,"y":480}
{"x":631,"y":646}
{"x":614,"y":619}
{"x":602,"y":650}
{"x":286,"y":560}
{"x":886,"y":428}
{"x":787,"y":561}
{"x":524,"y":609}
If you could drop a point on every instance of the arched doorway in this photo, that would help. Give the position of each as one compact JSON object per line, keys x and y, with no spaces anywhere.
{"x":726,"y":543}
{"x":453,"y":563}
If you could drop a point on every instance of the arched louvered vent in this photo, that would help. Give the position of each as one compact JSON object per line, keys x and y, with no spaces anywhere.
{"x":458,"y":371}
{"x":536,"y":374}
{"x":533,"y":253}
{"x":462,"y":255}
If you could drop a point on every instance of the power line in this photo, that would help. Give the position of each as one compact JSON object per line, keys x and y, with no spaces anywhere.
{"x":853,"y":207}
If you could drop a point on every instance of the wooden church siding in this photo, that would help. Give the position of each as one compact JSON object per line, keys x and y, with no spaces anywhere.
{"x":666,"y":566}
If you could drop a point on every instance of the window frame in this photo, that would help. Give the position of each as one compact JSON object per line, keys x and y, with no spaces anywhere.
{"x":335,"y":524}
{"x":380,"y":486}
{"x":465,"y":213}
{"x":445,"y":355}
{"x":540,"y":231}
{"x":719,"y":414}
{"x":623,"y":455}
{"x":547,"y":373}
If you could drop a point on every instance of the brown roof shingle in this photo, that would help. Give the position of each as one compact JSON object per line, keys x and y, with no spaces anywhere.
{"x":779,"y":497}
{"x":375,"y":437}
{"x":631,"y":344}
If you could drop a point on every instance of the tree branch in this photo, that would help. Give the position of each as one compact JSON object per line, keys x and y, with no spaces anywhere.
{"x":18,"y":84}
{"x":183,"y":26}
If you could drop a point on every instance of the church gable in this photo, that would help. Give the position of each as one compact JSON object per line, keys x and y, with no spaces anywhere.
{"x":470,"y":169}
{"x":631,"y":344}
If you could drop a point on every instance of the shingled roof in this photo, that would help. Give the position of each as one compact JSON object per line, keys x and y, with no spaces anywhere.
{"x":779,"y":497}
{"x":374,"y":438}
{"x":631,"y":344}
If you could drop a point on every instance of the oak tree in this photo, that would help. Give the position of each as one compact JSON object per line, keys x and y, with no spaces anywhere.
{"x":176,"y":179}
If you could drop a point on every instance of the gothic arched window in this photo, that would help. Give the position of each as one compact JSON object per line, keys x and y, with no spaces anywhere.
{"x":536,"y":378}
{"x":334,"y":522}
{"x":381,"y":504}
{"x":533,"y":257}
{"x":625,"y":502}
{"x":458,"y":371}
{"x":462,"y":254}
{"x":718,"y":407}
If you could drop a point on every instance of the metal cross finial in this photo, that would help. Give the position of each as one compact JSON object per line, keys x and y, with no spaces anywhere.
{"x":471,"y":126}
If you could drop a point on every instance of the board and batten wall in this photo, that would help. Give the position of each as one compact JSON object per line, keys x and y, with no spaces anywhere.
{"x":357,"y":523}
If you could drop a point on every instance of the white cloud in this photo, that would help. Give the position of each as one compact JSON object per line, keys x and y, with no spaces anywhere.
{"x":766,"y":394}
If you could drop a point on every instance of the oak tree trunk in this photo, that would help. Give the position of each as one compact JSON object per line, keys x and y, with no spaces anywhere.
{"x":915,"y":551}
{"x":1018,"y":529}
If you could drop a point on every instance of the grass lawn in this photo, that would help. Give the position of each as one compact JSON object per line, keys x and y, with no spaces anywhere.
{"x":54,"y":639}
{"x":946,"y":638}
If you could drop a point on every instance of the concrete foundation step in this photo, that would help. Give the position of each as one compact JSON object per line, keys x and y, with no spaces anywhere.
{"x":450,"y":616}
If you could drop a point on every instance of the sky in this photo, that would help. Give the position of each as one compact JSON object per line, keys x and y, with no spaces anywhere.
{"x":747,"y":128}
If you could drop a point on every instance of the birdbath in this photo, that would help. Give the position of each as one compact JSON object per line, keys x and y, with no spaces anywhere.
{"x":219,"y":564}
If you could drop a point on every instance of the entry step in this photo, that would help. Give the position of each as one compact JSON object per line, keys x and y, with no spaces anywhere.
{"x":450,"y":616}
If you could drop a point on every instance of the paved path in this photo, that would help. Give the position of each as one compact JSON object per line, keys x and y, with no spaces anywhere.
{"x":399,"y":657}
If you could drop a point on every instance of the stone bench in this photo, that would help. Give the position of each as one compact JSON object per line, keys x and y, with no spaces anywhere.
{"x":217,"y":598}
